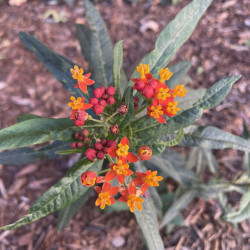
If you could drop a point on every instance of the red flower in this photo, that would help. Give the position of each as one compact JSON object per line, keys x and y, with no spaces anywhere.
{"x":131,"y":196}
{"x":155,"y":111}
{"x":122,"y":151}
{"x":144,"y":153}
{"x":148,"y":179}
{"x":88,"y":178}
{"x":105,"y":195}
{"x":119,"y":170}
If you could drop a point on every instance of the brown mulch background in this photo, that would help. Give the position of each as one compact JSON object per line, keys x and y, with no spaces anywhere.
{"x":219,"y":47}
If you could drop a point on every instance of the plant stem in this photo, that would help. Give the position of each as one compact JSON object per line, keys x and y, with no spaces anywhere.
{"x":111,"y":116}
{"x":109,"y":158}
{"x":140,"y":110}
{"x":95,"y":120}
{"x":88,"y":94}
{"x":104,"y":171}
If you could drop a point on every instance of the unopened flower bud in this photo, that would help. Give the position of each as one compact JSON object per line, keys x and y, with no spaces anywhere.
{"x":103,"y":102}
{"x":77,"y":135}
{"x":81,"y":138}
{"x":79,"y":144}
{"x":81,"y":115}
{"x":98,"y":109}
{"x":114,"y":129}
{"x":73,"y":145}
{"x":93,"y":100}
{"x":100,"y":155}
{"x":88,"y":178}
{"x":102,"y":88}
{"x":105,"y":96}
{"x":146,"y":194}
{"x":153,"y":84}
{"x":98,"y":146}
{"x":103,"y":142}
{"x":85,"y":132}
{"x":144,"y":153}
{"x":85,"y":139}
{"x":139,"y":85}
{"x":136,"y":99}
{"x":97,"y":93}
{"x":111,"y":100}
{"x":111,"y":143}
{"x":90,"y":153}
{"x":123,"y":109}
{"x":110,"y":91}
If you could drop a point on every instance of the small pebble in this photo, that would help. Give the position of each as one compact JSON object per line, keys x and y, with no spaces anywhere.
{"x":118,"y":241}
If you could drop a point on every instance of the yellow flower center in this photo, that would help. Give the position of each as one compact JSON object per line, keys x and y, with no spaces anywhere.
{"x":179,"y":90}
{"x":172,"y":109}
{"x":134,"y":202}
{"x":143,"y":69}
{"x":122,"y":150}
{"x":165,"y":74}
{"x":77,"y":73}
{"x":156,"y":111}
{"x":163,"y":94}
{"x":76,"y":103}
{"x":103,"y":200}
{"x":120,"y":168}
{"x":152,"y":179}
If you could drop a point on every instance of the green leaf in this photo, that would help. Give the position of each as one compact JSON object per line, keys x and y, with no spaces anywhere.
{"x":25,"y":117}
{"x":174,"y":35}
{"x":177,"y":206}
{"x":217,"y":92}
{"x":57,"y":65}
{"x":84,"y":34}
{"x":100,"y":47}
{"x":24,"y":156}
{"x":67,"y":213}
{"x":179,"y":70}
{"x":177,"y":140}
{"x":147,"y":220}
{"x":212,"y":138}
{"x":66,"y":191}
{"x":69,"y":151}
{"x":36,"y":131}
{"x":210,"y":159}
{"x":117,"y":67}
{"x":184,"y":176}
{"x":130,"y":104}
{"x":243,"y":212}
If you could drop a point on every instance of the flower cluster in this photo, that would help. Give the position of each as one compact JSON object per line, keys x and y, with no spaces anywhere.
{"x":137,"y":183}
{"x":132,"y":185}
{"x":102,"y":98}
{"x":162,"y":97}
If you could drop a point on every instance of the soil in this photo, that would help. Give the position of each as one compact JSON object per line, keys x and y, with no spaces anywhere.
{"x":218,"y":47}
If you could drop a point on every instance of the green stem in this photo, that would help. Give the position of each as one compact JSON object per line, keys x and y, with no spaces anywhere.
{"x":104,"y":171}
{"x":140,"y":110}
{"x":109,"y":158}
{"x":95,"y":120}
{"x":112,"y":116}
{"x":88,"y":94}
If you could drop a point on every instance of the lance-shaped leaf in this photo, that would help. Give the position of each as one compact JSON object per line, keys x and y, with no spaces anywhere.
{"x":117,"y":67}
{"x":179,"y":70}
{"x":100,"y":46}
{"x":24,"y":117}
{"x":27,"y":155}
{"x":36,"y":131}
{"x":212,"y":138}
{"x":66,"y":191}
{"x":57,"y":65}
{"x":176,"y":140}
{"x":174,"y":35}
{"x":147,"y":220}
{"x":177,"y":206}
{"x":67,"y":213}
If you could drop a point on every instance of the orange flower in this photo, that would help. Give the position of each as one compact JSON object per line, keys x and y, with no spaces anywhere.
{"x":131,"y":196}
{"x":148,"y":179}
{"x":165,"y":75}
{"x":122,"y":151}
{"x":179,"y":90}
{"x":119,"y":170}
{"x":78,"y":104}
{"x":144,"y":153}
{"x":171,"y":109}
{"x":88,"y":178}
{"x":105,"y":195}
{"x":155,"y":111}
{"x":82,"y":80}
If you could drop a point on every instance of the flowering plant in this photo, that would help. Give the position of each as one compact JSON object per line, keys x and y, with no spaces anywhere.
{"x":121,"y":129}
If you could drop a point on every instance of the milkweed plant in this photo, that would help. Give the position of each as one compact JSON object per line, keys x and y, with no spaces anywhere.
{"x":123,"y":129}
